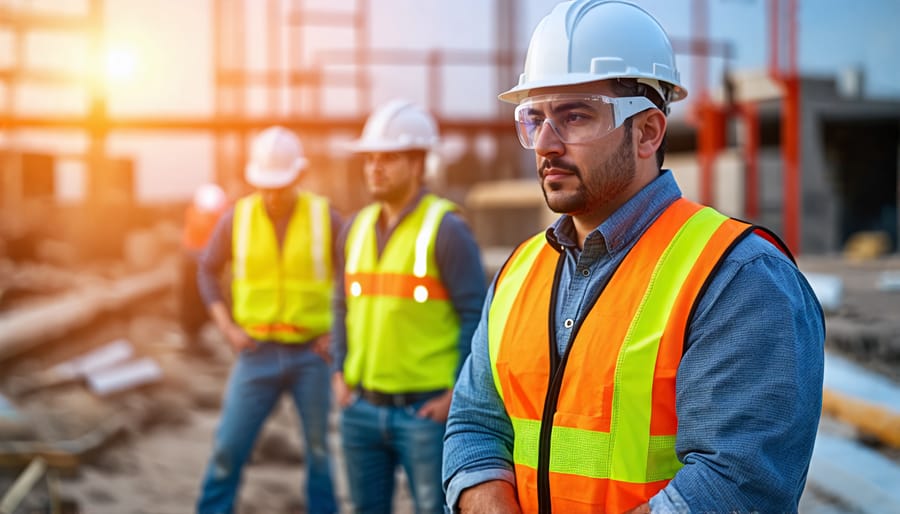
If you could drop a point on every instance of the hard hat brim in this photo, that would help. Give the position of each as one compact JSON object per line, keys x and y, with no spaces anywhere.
{"x":267,"y":178}
{"x":523,"y":91}
{"x":363,"y":146}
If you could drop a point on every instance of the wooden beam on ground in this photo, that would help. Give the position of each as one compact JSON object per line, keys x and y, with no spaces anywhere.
{"x":28,"y":327}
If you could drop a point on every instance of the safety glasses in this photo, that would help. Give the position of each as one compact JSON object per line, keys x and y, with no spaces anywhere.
{"x":575,"y":118}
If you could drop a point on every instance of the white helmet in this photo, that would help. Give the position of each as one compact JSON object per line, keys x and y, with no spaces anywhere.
{"x":397,"y":126}
{"x":276,"y":159}
{"x":209,"y":198}
{"x":589,"y":40}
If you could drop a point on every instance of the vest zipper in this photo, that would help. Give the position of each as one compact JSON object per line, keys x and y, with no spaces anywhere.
{"x":557,"y":371}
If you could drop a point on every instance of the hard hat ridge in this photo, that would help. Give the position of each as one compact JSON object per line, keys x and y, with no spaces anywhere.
{"x":585,"y":41}
{"x":398,"y":125}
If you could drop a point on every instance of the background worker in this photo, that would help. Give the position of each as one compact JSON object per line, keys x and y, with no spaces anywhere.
{"x":684,"y":366}
{"x":405,"y":309}
{"x":200,"y":218}
{"x":280,"y":242}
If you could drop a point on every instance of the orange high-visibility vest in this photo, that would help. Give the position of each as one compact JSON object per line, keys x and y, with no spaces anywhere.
{"x":598,"y":434}
{"x":198,"y":227}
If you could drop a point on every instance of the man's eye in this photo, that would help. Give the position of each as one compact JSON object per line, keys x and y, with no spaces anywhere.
{"x":534,"y":121}
{"x":573,"y":117}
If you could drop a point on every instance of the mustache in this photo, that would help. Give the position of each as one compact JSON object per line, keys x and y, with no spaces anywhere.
{"x":555,"y":163}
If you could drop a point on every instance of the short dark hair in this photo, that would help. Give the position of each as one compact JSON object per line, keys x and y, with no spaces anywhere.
{"x":631,"y":87}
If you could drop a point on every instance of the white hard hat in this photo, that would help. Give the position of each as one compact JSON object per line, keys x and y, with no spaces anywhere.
{"x":397,"y":126}
{"x":209,"y":197}
{"x":589,"y":40}
{"x":276,"y":159}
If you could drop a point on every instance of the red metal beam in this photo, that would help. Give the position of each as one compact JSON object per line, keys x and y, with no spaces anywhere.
{"x":750,"y":114}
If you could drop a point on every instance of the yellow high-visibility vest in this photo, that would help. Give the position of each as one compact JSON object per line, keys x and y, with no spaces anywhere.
{"x":402,"y":329}
{"x":282,"y":294}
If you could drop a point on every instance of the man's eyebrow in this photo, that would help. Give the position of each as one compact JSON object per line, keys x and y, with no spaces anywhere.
{"x":571,"y":104}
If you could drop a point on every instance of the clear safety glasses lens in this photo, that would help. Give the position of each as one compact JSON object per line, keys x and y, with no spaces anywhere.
{"x":575,"y":118}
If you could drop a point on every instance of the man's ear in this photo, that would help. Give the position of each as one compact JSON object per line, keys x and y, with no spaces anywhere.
{"x":651,"y":128}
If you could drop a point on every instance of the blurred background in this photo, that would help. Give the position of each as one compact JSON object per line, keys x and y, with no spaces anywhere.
{"x":114,"y":112}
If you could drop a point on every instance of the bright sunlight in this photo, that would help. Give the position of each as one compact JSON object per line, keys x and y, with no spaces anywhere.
{"x":121,"y":64}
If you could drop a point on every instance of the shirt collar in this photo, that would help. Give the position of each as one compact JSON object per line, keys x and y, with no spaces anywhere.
{"x":382,"y":221}
{"x":627,"y":223}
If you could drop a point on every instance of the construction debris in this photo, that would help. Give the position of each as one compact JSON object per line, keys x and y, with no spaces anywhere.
{"x":24,"y":328}
{"x":22,"y":486}
{"x":124,"y":376}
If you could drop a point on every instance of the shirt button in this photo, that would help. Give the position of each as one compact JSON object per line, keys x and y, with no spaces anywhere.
{"x":569,"y":323}
{"x":585,"y":272}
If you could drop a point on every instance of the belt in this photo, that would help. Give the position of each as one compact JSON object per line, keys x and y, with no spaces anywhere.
{"x":397,"y":399}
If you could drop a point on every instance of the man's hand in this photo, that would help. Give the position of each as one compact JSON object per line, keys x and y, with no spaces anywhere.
{"x":238,"y":338}
{"x":322,"y":346}
{"x":437,"y":408}
{"x":342,"y":393}
{"x":493,"y":497}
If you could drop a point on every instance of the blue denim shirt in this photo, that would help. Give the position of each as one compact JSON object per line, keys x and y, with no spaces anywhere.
{"x":458,"y":260}
{"x":749,"y":385}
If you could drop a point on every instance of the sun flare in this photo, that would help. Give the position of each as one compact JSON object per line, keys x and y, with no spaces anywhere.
{"x":121,"y":64}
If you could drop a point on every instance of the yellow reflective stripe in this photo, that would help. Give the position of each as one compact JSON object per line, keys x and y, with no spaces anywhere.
{"x":318,"y":216}
{"x":433,"y":217}
{"x":504,"y":297}
{"x":364,"y":221}
{"x":662,"y":463}
{"x":244,"y":213}
{"x":527,"y":441}
{"x":576,"y":451}
{"x":633,"y":387}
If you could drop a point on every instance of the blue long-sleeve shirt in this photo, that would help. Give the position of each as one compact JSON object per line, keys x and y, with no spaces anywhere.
{"x":459,"y":263}
{"x":749,"y":385}
{"x":218,"y":251}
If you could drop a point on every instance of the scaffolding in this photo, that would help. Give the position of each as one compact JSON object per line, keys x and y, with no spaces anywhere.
{"x":293,"y":83}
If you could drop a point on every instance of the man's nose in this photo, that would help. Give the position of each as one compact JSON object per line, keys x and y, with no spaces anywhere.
{"x":547,"y":139}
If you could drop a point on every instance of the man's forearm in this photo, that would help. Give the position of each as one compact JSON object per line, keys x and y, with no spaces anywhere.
{"x":492,"y":497}
{"x":220,"y":314}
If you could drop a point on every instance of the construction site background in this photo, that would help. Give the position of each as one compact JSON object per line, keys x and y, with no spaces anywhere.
{"x":106,"y":406}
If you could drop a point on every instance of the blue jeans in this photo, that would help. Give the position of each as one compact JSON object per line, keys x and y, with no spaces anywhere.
{"x":254,"y":387}
{"x":376,"y":440}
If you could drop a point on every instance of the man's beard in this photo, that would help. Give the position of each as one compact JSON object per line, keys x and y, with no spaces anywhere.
{"x":604,"y":184}
{"x":392,"y":194}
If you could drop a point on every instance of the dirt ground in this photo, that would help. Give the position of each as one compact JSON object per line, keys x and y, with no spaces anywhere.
{"x":154,"y":463}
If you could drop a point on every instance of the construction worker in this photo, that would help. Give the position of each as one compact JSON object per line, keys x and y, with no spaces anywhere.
{"x":200,"y":219}
{"x":280,"y":243}
{"x":405,"y":310}
{"x":644,"y":353}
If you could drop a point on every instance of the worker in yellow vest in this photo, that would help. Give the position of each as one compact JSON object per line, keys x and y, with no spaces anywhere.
{"x":405,"y":309}
{"x":280,"y":242}
{"x":644,"y":353}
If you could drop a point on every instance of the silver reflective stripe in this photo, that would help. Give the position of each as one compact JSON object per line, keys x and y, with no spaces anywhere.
{"x":423,"y":239}
{"x":360,"y":229}
{"x":318,"y":214}
{"x":242,"y":237}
